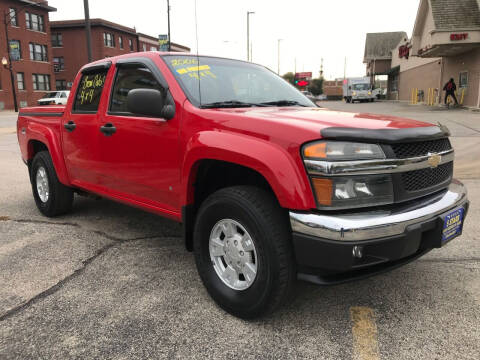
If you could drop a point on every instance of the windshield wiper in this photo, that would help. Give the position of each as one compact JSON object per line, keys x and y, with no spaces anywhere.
{"x":283,"y":103}
{"x":228,"y":104}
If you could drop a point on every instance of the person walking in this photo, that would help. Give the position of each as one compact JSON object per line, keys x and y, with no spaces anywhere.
{"x":449,"y":89}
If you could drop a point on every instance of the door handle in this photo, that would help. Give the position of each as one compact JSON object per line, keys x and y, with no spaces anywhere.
{"x":70,"y":126}
{"x":108,"y":129}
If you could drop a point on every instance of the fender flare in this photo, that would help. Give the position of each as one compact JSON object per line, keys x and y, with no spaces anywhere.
{"x":279,"y":168}
{"x":47,"y":136}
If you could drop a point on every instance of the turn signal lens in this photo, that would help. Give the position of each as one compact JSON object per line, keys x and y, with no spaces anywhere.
{"x":341,"y":150}
{"x":323,"y":190}
{"x":317,"y":150}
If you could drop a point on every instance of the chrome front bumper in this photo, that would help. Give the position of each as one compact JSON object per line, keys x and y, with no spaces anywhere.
{"x":369,"y":225}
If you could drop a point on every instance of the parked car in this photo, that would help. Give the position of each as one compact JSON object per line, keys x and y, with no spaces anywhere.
{"x":309,"y":95}
{"x":269,"y":189}
{"x":54,"y":98}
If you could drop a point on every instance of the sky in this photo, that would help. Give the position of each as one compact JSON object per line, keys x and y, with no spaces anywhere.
{"x":311,"y":30}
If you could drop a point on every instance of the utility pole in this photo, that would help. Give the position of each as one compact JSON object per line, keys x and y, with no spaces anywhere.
{"x":88,"y":30}
{"x":278,"y":70}
{"x":248,"y":33}
{"x":168,"y":15}
{"x":12,"y":80}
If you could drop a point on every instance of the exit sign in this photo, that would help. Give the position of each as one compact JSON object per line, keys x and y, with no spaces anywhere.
{"x":456,"y":37}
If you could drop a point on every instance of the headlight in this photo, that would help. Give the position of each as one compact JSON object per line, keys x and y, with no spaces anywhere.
{"x":369,"y":93}
{"x":345,"y":192}
{"x":354,"y":93}
{"x":354,"y":191}
{"x":340,"y":150}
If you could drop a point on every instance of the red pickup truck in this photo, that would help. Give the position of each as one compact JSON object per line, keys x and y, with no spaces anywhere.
{"x":269,"y":187}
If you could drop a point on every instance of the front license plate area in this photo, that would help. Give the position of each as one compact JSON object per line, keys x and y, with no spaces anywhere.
{"x":452,"y":224}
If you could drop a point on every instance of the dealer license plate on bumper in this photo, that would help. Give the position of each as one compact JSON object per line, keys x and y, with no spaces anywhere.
{"x":453,"y":224}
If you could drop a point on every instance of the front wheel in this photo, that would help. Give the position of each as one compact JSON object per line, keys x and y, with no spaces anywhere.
{"x":243,"y":251}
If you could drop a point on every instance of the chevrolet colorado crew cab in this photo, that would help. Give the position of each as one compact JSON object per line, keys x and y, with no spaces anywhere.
{"x":269,"y":187}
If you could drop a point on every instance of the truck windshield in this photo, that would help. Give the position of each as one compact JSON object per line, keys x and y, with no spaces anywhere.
{"x":231,"y":83}
{"x":361,"y":86}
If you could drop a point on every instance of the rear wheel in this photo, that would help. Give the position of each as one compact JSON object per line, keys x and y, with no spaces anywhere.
{"x":243,"y":251}
{"x":51,"y":196}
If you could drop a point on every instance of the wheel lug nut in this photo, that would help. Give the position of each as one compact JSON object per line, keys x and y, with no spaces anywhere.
{"x":241,"y":253}
{"x":235,"y":242}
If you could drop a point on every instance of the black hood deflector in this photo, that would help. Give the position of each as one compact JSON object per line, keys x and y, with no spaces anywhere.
{"x":385,"y":136}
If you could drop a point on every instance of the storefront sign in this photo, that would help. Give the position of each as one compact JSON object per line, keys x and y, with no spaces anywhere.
{"x":403,"y":51}
{"x":456,"y":37}
{"x":303,"y":75}
{"x":163,"y":42}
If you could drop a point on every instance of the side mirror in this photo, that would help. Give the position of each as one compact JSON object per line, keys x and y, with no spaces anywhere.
{"x":149,"y":102}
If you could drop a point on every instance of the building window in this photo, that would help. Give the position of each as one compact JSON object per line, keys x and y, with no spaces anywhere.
{"x":58,"y":64}
{"x":61,"y":84}
{"x":38,"y":52}
{"x":34,"y":22}
{"x":41,"y":82}
{"x":144,"y":46}
{"x":463,"y":80}
{"x":13,"y":17}
{"x":130,"y":44}
{"x":153,"y":48}
{"x":108,"y":39}
{"x":394,"y":83}
{"x":120,"y":42}
{"x":57,"y":40}
{"x":20,"y":81}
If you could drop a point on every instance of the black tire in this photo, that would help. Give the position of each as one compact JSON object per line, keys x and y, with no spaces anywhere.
{"x":267,"y":223}
{"x":60,"y":197}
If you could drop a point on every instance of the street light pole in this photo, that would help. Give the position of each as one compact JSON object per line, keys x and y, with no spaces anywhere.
{"x":278,"y":69}
{"x":248,"y":33}
{"x":88,"y":30}
{"x":12,"y":80}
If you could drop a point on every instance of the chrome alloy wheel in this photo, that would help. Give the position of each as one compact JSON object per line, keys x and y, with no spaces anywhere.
{"x":233,"y":254}
{"x":43,"y":190}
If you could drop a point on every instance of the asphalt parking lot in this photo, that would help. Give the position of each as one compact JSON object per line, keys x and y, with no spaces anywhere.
{"x":110,"y":281}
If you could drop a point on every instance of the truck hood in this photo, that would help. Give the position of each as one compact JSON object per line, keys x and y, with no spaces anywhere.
{"x":299,"y":125}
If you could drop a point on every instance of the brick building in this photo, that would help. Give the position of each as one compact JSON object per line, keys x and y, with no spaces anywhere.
{"x":333,"y":89}
{"x":108,"y":39}
{"x":70,"y":47}
{"x":150,"y":43}
{"x":30,"y":51}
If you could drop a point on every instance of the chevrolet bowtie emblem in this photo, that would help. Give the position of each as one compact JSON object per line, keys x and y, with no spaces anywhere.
{"x":434,"y":160}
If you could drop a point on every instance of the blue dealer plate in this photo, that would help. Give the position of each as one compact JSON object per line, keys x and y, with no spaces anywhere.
{"x":452,"y":226}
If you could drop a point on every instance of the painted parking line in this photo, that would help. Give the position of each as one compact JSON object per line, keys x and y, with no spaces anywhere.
{"x":364,"y":330}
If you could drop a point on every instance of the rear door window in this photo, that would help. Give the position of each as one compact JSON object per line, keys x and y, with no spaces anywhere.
{"x":89,"y":91}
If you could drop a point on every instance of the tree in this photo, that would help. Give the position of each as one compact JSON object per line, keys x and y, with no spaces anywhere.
{"x":316,"y":86}
{"x":290,"y":77}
